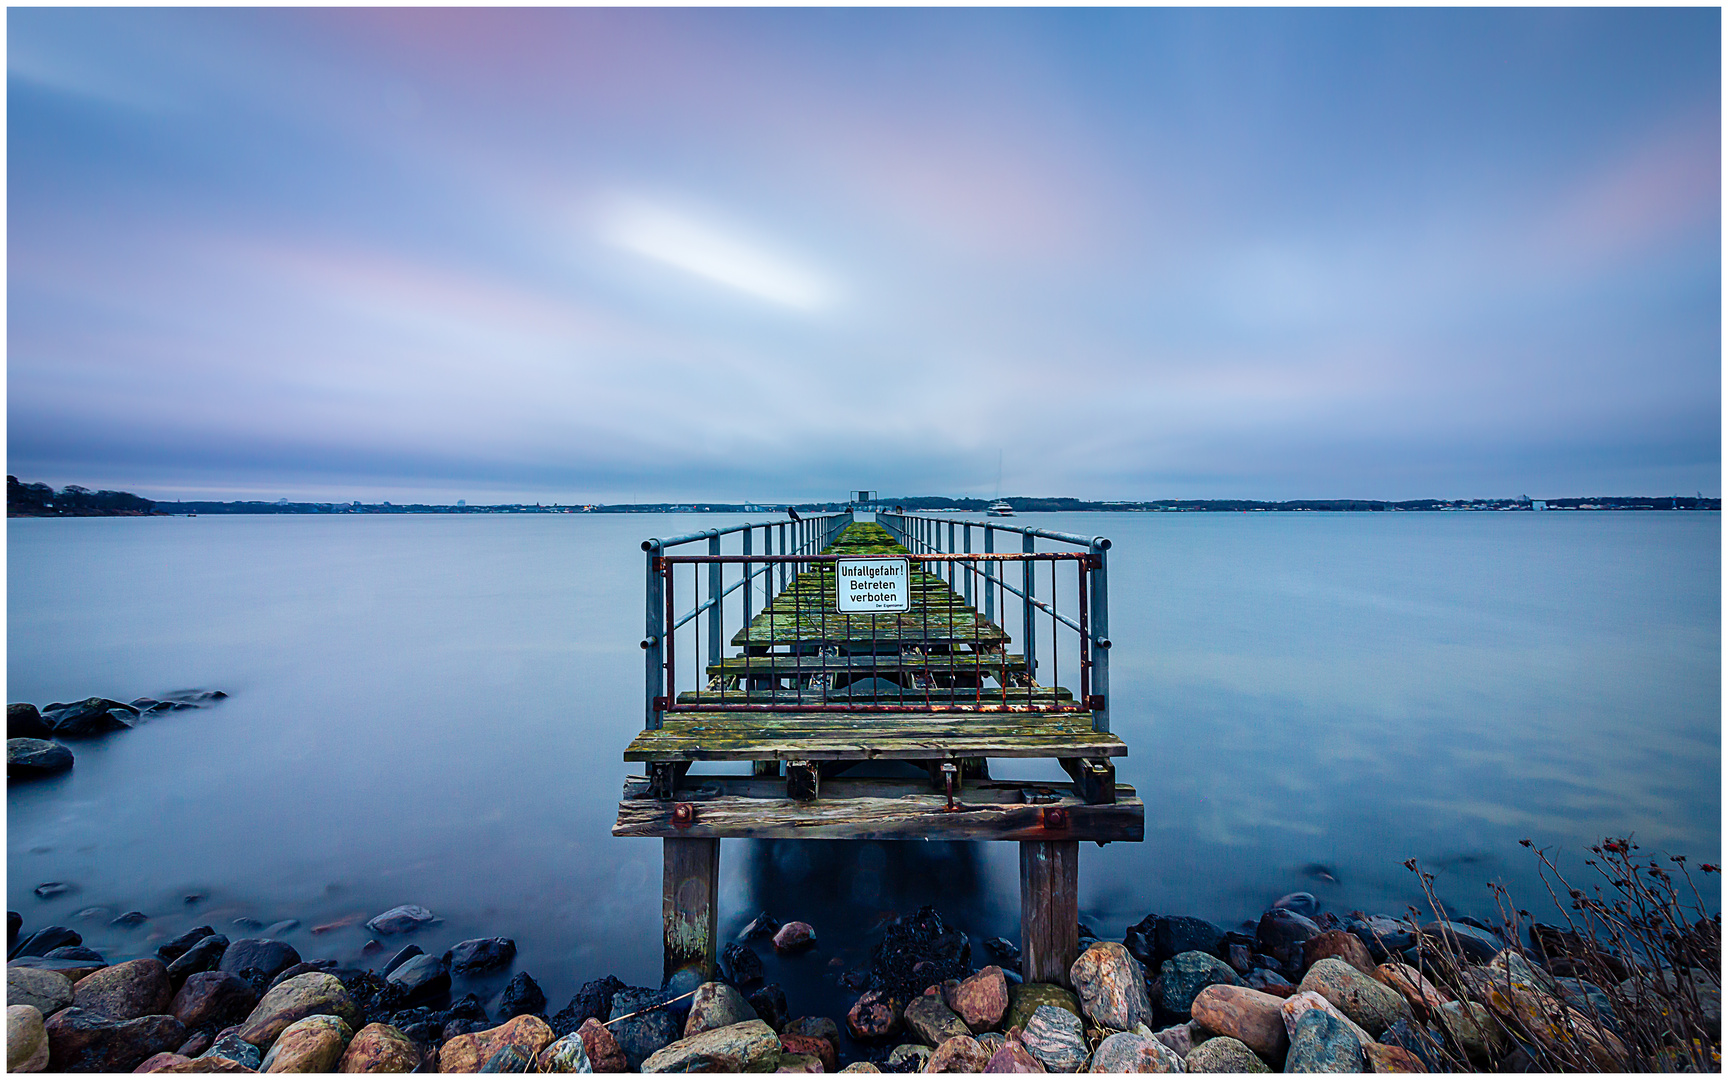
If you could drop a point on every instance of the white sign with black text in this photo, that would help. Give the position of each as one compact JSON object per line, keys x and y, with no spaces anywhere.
{"x":868,"y":586}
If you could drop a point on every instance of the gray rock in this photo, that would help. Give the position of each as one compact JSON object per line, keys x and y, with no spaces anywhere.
{"x":932,"y":1022}
{"x":909,"y":1057}
{"x":1589,"y":999}
{"x":421,"y":978}
{"x":1366,"y":1000}
{"x":27,"y":759}
{"x":566,"y":1055}
{"x":644,"y":1034}
{"x":235,"y":1049}
{"x":82,"y":1041}
{"x":1476,"y":944}
{"x":46,"y":940}
{"x":400,"y":919}
{"x":48,"y":991}
{"x":1132,"y":1052}
{"x":213,"y":999}
{"x":716,"y":1005}
{"x":267,"y":955}
{"x":1056,"y":1038}
{"x":26,"y":1039}
{"x":481,"y":954}
{"x":92,"y":716}
{"x":24,"y":721}
{"x":75,"y":952}
{"x":508,"y":1059}
{"x":521,"y":997}
{"x":407,"y":953}
{"x":1224,"y":1055}
{"x":1186,"y":974}
{"x":204,"y":956}
{"x":1322,"y":1044}
{"x":170,"y":951}
{"x":1302,"y":903}
{"x":1112,"y":987}
{"x":126,"y":991}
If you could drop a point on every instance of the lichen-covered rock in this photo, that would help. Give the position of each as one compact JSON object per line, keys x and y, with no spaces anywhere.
{"x":126,"y":991}
{"x":816,"y":1046}
{"x":1186,"y":974}
{"x":1246,"y":1015}
{"x":229,"y":1046}
{"x":751,"y":1046}
{"x":467,"y":1053}
{"x":1012,"y":1057}
{"x":861,"y":1067}
{"x":312,"y":1045}
{"x":873,"y":1016}
{"x":1133,"y":1052}
{"x":1474,"y":1029}
{"x":1339,"y":945}
{"x":565,"y":1055}
{"x":1321,"y":1044}
{"x":1223,"y":1055}
{"x":205,"y":1065}
{"x":929,"y":1020}
{"x":1056,"y":1038}
{"x":83,"y":1041}
{"x":981,"y":999}
{"x":1025,"y":998}
{"x":961,"y":1054}
{"x":311,"y":994}
{"x":1112,"y":986}
{"x":716,"y":1005}
{"x":799,"y":1063}
{"x":909,"y":1057}
{"x":380,"y":1048}
{"x":1362,"y":998}
{"x":48,"y":991}
{"x":26,"y":1039}
{"x":1392,"y":1059}
{"x":1297,"y":1004}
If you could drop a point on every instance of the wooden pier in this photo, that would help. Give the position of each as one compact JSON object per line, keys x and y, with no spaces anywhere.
{"x":813,"y":693}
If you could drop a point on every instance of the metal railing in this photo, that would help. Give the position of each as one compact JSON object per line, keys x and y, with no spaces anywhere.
{"x":783,"y":545}
{"x":986,"y":583}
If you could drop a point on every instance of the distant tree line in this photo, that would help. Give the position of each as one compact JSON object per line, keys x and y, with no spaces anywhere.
{"x":40,"y":500}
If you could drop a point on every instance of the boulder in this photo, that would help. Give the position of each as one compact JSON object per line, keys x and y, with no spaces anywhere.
{"x":467,"y":1053}
{"x":126,"y":991}
{"x":1248,"y":1016}
{"x":400,"y":919}
{"x":819,"y":1048}
{"x":170,"y":951}
{"x":1157,"y":938}
{"x":312,"y":1045}
{"x":1362,"y":998}
{"x":26,"y":1038}
{"x":1392,"y":1059}
{"x":1024,"y":999}
{"x":1420,"y":994}
{"x":1223,"y":1055}
{"x":1186,"y":974}
{"x":1320,"y":1044}
{"x":481,"y":954}
{"x":379,"y":1048}
{"x":312,"y":994}
{"x":265,"y":954}
{"x":1133,"y":1052}
{"x":1307,"y":1000}
{"x":648,"y":1030}
{"x":508,"y":1059}
{"x":1056,"y":1038}
{"x":1281,"y":935}
{"x":522,"y":996}
{"x":205,"y":1065}
{"x":565,"y":1055}
{"x":213,"y":999}
{"x":750,"y":1046}
{"x":83,"y":1041}
{"x":604,"y":1053}
{"x":421,"y":978}
{"x":799,"y":1063}
{"x":1112,"y":987}
{"x":716,"y":1005}
{"x":1382,"y":935}
{"x":92,"y":716}
{"x":873,"y":1016}
{"x":932,"y":1022}
{"x":794,"y":936}
{"x":47,"y":991}
{"x":204,"y":956}
{"x":229,"y":1046}
{"x":909,"y":1057}
{"x":24,"y":721}
{"x":1339,"y":945}
{"x":961,"y":1054}
{"x":1012,"y":1057}
{"x":981,"y":999}
{"x":46,"y":940}
{"x":27,"y":759}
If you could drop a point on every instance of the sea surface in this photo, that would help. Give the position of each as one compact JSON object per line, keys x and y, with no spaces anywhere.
{"x":432,"y":710}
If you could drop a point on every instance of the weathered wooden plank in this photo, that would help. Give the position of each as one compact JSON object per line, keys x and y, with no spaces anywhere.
{"x":836,"y":746}
{"x":921,"y":815}
{"x":785,"y":664}
{"x":1049,"y":909}
{"x":688,"y":902}
{"x":1014,"y":695}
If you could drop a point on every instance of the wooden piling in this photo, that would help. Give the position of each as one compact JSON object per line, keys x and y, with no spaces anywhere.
{"x":1049,"y":909}
{"x":689,"y":902}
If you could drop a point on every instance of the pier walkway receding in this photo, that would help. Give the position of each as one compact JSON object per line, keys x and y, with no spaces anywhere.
{"x":858,"y":643}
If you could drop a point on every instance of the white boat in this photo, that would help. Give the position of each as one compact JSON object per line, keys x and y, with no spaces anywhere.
{"x":999,"y":509}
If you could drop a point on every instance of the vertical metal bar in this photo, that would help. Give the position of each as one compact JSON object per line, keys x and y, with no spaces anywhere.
{"x":654,"y":638}
{"x":1028,"y":581}
{"x":971,"y":567}
{"x":714,"y":613}
{"x":671,"y":672}
{"x":1100,"y":641}
{"x":990,"y":571}
{"x":1082,"y":586}
{"x":951,"y":566}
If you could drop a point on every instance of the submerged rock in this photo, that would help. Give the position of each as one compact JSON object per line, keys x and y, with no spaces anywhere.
{"x":27,"y":759}
{"x":400,"y":919}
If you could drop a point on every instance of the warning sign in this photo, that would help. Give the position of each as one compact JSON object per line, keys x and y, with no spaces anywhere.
{"x":867,"y":586}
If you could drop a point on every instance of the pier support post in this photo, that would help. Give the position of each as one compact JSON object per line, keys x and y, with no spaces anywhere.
{"x":1049,"y":909}
{"x":689,"y":902}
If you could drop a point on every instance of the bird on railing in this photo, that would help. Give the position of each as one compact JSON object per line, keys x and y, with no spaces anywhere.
{"x":793,"y":514}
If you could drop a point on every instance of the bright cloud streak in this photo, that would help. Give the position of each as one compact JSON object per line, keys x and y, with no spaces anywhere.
{"x":698,"y":248}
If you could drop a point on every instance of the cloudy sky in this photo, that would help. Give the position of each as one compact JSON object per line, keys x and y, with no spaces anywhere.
{"x":622,"y":255}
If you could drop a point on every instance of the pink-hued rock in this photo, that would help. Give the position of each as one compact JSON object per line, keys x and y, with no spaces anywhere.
{"x":1341,"y":945}
{"x":961,"y":1054}
{"x":126,"y":991}
{"x":1013,"y":1058}
{"x":1247,"y":1015}
{"x":981,"y":999}
{"x":794,"y":936}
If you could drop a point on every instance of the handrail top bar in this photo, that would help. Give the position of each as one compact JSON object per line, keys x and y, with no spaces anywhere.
{"x":944,"y":556}
{"x":656,"y":543}
{"x":1100,"y":543}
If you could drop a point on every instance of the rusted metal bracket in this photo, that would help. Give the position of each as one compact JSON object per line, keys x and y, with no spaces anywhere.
{"x":950,"y":778}
{"x":1094,"y":778}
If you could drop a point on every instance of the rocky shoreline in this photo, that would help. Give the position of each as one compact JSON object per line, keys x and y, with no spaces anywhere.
{"x":1306,"y":991}
{"x":35,"y":738}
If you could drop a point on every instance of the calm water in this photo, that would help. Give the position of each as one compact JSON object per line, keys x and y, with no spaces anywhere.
{"x":432,"y":710}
